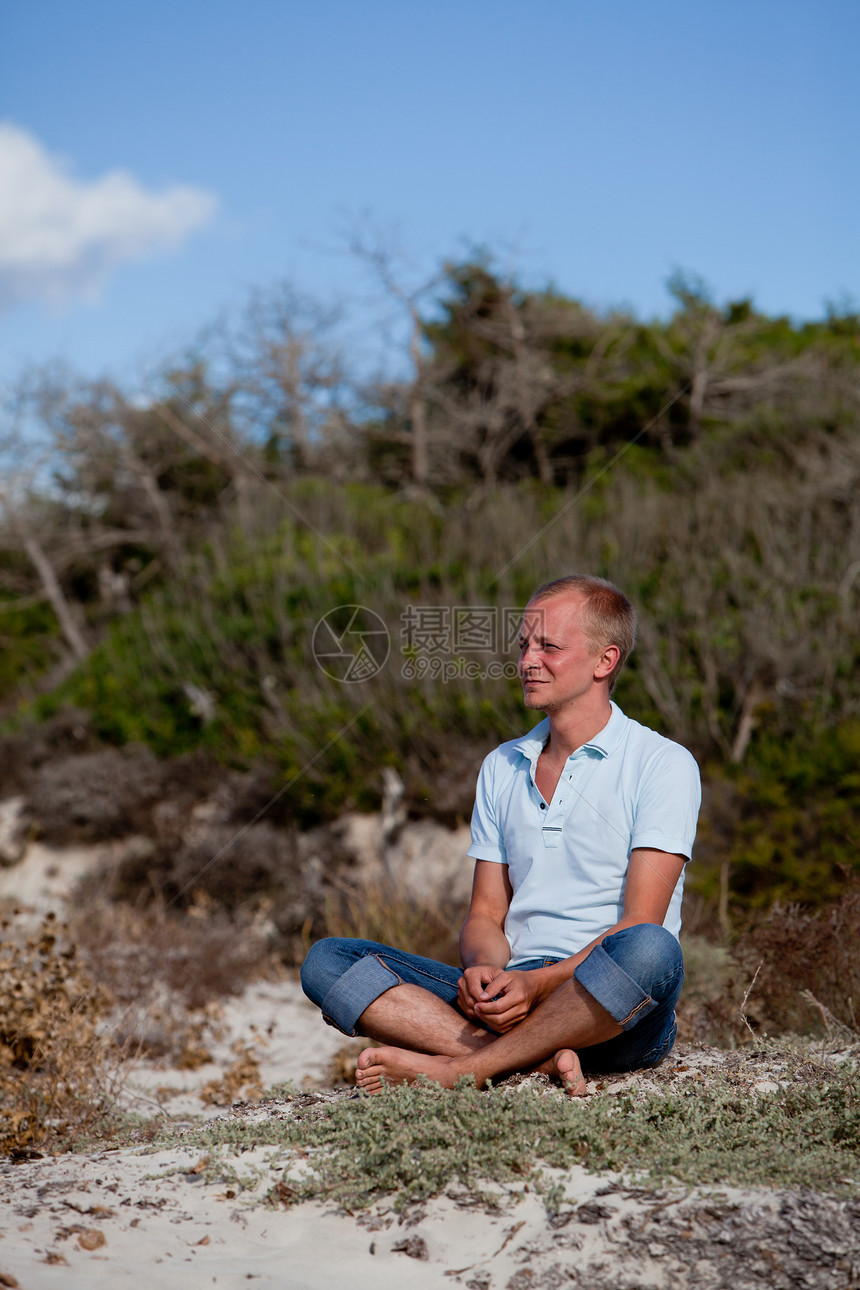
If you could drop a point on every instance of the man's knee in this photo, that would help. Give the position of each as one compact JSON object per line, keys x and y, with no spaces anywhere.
{"x":329,"y":960}
{"x":650,"y":955}
{"x":324,"y":964}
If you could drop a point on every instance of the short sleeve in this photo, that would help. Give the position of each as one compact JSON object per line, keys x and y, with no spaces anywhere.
{"x":667,"y":806}
{"x":487,"y":839}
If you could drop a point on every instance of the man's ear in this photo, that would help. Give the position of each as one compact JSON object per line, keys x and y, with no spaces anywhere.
{"x":607,"y":661}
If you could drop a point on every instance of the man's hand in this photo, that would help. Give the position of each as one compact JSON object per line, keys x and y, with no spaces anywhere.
{"x":507,"y":997}
{"x":472,"y":984}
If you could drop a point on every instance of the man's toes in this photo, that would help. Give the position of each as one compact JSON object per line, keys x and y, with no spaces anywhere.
{"x":369,"y":1081}
{"x":570,"y":1072}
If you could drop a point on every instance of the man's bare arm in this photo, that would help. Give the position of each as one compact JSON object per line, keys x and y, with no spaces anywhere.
{"x":651,"y":879}
{"x":484,"y":948}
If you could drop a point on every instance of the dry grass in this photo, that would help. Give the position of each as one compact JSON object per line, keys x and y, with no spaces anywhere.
{"x":343,"y":1065}
{"x":709,"y":1008}
{"x":76,"y":1001}
{"x":385,"y":912}
{"x":241,"y":1078}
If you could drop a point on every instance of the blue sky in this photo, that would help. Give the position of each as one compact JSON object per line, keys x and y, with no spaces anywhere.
{"x":595,"y":146}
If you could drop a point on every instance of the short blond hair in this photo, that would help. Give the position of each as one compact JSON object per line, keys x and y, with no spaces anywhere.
{"x":608,"y":616}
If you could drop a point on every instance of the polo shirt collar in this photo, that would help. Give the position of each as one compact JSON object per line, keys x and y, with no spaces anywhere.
{"x":603,"y":743}
{"x":531,"y":745}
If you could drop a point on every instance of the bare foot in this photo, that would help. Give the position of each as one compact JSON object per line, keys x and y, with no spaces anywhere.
{"x":565,"y":1064}
{"x":389,"y":1065}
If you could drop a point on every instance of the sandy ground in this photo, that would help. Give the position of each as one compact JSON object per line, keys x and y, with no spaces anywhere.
{"x":135,"y":1217}
{"x":284,"y":1030}
{"x":119,"y":1219}
{"x":138,"y":1217}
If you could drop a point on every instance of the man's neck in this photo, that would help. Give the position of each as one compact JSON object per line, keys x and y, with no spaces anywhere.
{"x":569,"y":729}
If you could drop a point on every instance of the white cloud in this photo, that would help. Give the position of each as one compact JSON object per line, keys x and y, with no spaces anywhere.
{"x":61,"y":237}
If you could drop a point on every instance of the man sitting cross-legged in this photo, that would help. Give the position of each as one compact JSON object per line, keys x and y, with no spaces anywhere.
{"x":580,"y":834}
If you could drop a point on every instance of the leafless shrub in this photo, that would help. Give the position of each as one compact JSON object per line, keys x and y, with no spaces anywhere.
{"x":168,"y":970}
{"x":92,"y":794}
{"x":790,"y":970}
{"x":199,"y":956}
{"x":98,"y":795}
{"x":24,"y":752}
{"x":448,"y":780}
{"x":233,"y":866}
{"x":230,"y":866}
{"x":58,"y":1069}
{"x":810,"y":969}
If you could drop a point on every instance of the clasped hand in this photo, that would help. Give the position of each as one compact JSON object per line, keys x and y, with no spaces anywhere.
{"x":497,"y":997}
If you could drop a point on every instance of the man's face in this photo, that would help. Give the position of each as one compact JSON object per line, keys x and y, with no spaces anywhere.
{"x":556,"y":665}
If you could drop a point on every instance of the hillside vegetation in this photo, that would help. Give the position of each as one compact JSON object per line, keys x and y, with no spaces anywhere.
{"x":165,"y":561}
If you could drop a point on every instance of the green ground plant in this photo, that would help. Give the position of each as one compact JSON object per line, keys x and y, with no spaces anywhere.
{"x":411,"y":1143}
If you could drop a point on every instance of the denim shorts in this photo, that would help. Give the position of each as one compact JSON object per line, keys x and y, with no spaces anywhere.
{"x":635,"y":974}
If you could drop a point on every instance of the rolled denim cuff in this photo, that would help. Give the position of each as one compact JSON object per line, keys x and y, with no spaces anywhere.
{"x":356,"y":990}
{"x":613,"y":988}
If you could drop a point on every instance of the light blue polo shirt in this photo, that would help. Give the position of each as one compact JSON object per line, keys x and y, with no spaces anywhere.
{"x":567,"y":859}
